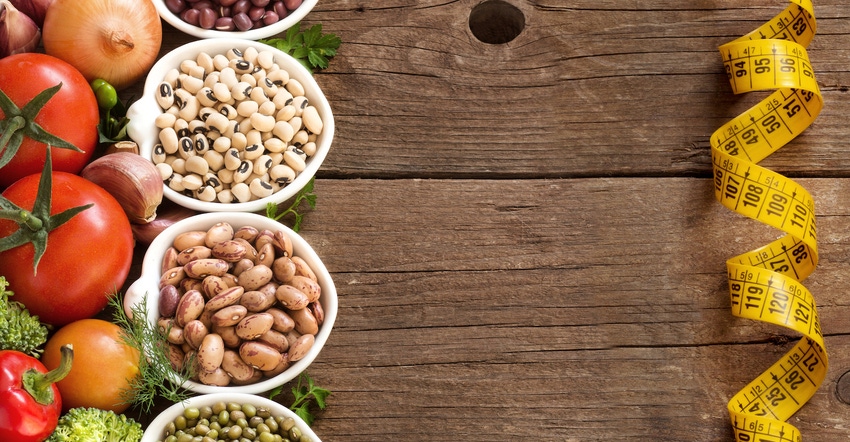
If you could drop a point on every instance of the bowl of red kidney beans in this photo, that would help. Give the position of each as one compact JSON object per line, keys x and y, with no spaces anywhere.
{"x":248,"y":19}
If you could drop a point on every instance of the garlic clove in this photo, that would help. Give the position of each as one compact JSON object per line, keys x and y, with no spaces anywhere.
{"x":34,"y":9}
{"x":134,"y":181}
{"x":18,"y":32}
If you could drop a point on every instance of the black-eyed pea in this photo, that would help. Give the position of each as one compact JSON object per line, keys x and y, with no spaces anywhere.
{"x":206,"y":97}
{"x":283,"y":269}
{"x":168,"y":299}
{"x":226,"y":74}
{"x":301,"y":138}
{"x":172,"y":276}
{"x":206,"y":193}
{"x":295,"y":87}
{"x":223,"y":299}
{"x":274,"y":144}
{"x":247,"y":233}
{"x":221,"y":91}
{"x":261,"y":188}
{"x":246,"y":108}
{"x":241,"y":91}
{"x":305,"y":322}
{"x":226,"y":178}
{"x":230,"y":250}
{"x":291,"y":298}
{"x":259,"y":355}
{"x":178,"y":165}
{"x":191,"y":84}
{"x":194,"y":333}
{"x":278,"y":76}
{"x":282,"y":321}
{"x":187,"y":65}
{"x":232,"y":159}
{"x":225,"y":196}
{"x":307,"y":286}
{"x":185,"y":147}
{"x":255,"y":277}
{"x":282,"y":129}
{"x":249,"y":78}
{"x":242,"y":172}
{"x":312,"y":120}
{"x":257,"y":301}
{"x":202,"y":144}
{"x":254,"y":325}
{"x":230,"y":315}
{"x":222,"y":231}
{"x":228,"y":335}
{"x":294,"y":160}
{"x":164,"y":120}
{"x":282,"y":243}
{"x":214,"y":159}
{"x":301,"y":346}
{"x":275,"y":339}
{"x":238,"y":370}
{"x":190,"y":238}
{"x":262,"y":164}
{"x":270,"y":89}
{"x":201,"y":268}
{"x":165,"y":95}
{"x":190,"y":307}
{"x":258,"y":94}
{"x":229,"y":111}
{"x":211,"y":79}
{"x":265,"y":59}
{"x":159,"y":157}
{"x":212,"y":180}
{"x":213,"y":285}
{"x":309,"y":148}
{"x":205,"y":61}
{"x":193,"y":253}
{"x":165,"y":170}
{"x":218,"y":122}
{"x":299,"y":102}
{"x":169,"y":260}
{"x":238,"y":139}
{"x":252,"y":151}
{"x":204,"y":113}
{"x":175,"y":182}
{"x":168,"y":139}
{"x":242,"y":192}
{"x":263,"y":123}
{"x":281,"y":174}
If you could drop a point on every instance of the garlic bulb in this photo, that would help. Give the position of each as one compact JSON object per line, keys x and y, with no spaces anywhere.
{"x":134,"y":181}
{"x":18,"y":32}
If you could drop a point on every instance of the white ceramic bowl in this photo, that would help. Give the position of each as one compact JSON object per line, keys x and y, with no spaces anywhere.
{"x":143,"y":113}
{"x":156,"y":430}
{"x":147,"y":288}
{"x":252,"y":34}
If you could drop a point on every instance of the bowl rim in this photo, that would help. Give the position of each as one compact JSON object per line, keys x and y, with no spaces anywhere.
{"x":150,"y":275}
{"x":155,"y":429}
{"x":252,"y":34}
{"x":142,"y":114}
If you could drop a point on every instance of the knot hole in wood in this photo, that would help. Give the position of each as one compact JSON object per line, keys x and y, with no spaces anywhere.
{"x":496,"y":21}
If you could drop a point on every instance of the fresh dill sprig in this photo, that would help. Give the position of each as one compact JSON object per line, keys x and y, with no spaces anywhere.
{"x":157,"y":377}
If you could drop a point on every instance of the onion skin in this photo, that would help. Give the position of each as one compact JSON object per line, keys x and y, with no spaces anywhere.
{"x":168,"y":213}
{"x":116,"y":40}
{"x":18,"y":32}
{"x":34,"y":9}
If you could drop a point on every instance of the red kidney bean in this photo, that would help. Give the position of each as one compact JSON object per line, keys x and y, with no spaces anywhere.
{"x":175,"y":6}
{"x":241,"y":6}
{"x":270,"y":17}
{"x":207,"y":18}
{"x":291,"y":4}
{"x":225,"y":24}
{"x":260,"y":3}
{"x":242,"y":22}
{"x":256,"y":14}
{"x":227,"y":3}
{"x":191,"y":16}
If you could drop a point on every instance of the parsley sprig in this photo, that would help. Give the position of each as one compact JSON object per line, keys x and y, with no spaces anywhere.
{"x":311,"y":47}
{"x":304,"y":195}
{"x":305,"y":393}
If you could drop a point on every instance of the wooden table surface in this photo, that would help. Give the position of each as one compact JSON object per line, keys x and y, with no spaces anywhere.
{"x":524,"y":234}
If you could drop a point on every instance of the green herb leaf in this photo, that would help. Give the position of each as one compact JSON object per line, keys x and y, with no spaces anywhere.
{"x":304,"y":195}
{"x":304,"y":394}
{"x":311,"y":47}
{"x":157,"y":378}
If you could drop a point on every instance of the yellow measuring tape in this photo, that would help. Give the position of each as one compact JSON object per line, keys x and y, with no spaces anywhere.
{"x":765,"y":283}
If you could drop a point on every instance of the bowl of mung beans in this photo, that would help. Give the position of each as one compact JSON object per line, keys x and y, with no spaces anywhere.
{"x":231,"y":124}
{"x":242,"y":299}
{"x":248,"y":19}
{"x":228,"y":417}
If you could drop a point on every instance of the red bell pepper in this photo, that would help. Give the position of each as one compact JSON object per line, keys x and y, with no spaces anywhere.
{"x":30,"y":404}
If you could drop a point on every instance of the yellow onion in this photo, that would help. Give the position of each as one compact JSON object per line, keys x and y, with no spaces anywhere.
{"x":116,"y":40}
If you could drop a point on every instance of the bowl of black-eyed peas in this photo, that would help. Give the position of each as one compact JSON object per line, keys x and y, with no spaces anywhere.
{"x":232,"y":125}
{"x":226,"y":417}
{"x":248,"y":19}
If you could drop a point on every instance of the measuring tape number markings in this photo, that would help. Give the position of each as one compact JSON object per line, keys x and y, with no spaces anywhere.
{"x":765,"y":284}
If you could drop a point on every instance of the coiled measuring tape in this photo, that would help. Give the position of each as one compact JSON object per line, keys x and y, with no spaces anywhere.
{"x":765,"y":284}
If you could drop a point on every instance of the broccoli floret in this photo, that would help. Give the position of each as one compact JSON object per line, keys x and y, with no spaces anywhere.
{"x":18,"y":329}
{"x":85,"y":424}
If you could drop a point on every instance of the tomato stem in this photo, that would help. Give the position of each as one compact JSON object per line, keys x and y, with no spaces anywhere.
{"x":22,"y":217}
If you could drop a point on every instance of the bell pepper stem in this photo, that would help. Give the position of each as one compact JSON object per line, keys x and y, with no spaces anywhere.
{"x":39,"y":385}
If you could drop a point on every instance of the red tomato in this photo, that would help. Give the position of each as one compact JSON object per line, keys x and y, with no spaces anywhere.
{"x":72,"y":114}
{"x":87,"y":259}
{"x":102,"y":369}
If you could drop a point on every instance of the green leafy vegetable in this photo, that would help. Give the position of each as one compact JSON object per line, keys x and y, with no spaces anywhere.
{"x":157,"y":378}
{"x":311,"y":47}
{"x":93,"y":424}
{"x":304,"y":394}
{"x":18,"y":329}
{"x":304,"y":195}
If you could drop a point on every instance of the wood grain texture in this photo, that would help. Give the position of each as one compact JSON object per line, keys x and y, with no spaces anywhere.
{"x":524,"y":237}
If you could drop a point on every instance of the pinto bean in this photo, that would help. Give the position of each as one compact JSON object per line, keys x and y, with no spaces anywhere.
{"x":257,"y":301}
{"x":233,"y":364}
{"x":254,"y":325}
{"x":193,"y":253}
{"x":259,"y":355}
{"x":229,"y":250}
{"x":201,"y":268}
{"x":219,"y":232}
{"x":291,"y":298}
{"x":194,"y":333}
{"x":230,"y":315}
{"x":305,"y":322}
{"x":189,"y":239}
{"x":225,"y":298}
{"x":282,"y":321}
{"x":211,"y":352}
{"x":190,"y":307}
{"x":283,"y":269}
{"x":303,"y":269}
{"x":255,"y":277}
{"x":299,"y":348}
{"x":168,"y":299}
{"x":307,"y":286}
